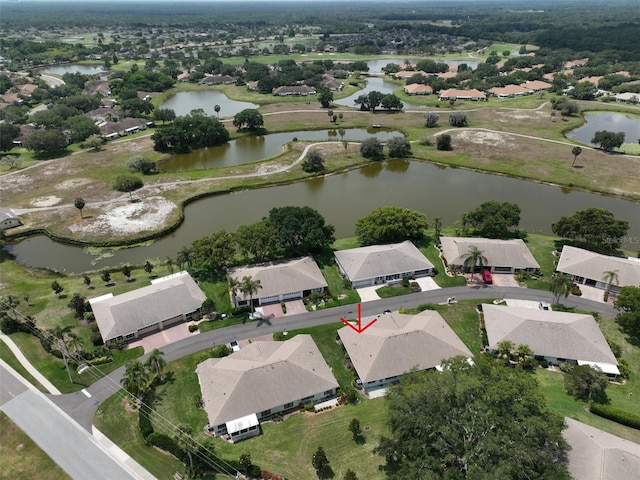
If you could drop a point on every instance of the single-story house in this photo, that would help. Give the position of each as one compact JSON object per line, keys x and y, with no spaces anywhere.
{"x":261,"y":380}
{"x":418,"y":89}
{"x":588,"y":268}
{"x":124,"y":127}
{"x":556,"y":337}
{"x":471,"y":94}
{"x":397,"y":343}
{"x":331,"y":83}
{"x":8,"y":219}
{"x":404,"y":74}
{"x":628,"y":97}
{"x":166,"y":302}
{"x":290,"y":90}
{"x":536,"y":85}
{"x":593,"y":79}
{"x":509,"y":91}
{"x":503,"y":256}
{"x":100,"y":87}
{"x":447,"y":75}
{"x":286,"y":280}
{"x":598,"y":455}
{"x":217,"y":80}
{"x":575,"y":63}
{"x":378,"y":264}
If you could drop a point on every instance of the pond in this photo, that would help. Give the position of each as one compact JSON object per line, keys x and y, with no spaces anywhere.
{"x":183,"y":102}
{"x":73,"y":68}
{"x":342,"y":199}
{"x":378,"y":84}
{"x":254,"y":148}
{"x":614,"y":122}
{"x":378,"y":64}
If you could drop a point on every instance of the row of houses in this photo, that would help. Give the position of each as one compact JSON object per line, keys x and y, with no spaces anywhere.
{"x":508,"y":91}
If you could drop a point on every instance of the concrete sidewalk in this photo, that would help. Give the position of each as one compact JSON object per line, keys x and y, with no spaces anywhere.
{"x":26,"y":364}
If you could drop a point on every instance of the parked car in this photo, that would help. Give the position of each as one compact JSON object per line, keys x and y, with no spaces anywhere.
{"x":544,"y":306}
{"x":486,"y":276}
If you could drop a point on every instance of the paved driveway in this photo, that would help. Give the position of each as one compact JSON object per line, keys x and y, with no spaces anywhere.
{"x":163,"y":338}
{"x":368,"y":294}
{"x":505,"y":280}
{"x":426,"y":283}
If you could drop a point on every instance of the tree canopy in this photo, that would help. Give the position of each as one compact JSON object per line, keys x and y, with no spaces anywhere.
{"x":192,"y":131}
{"x":250,"y":117}
{"x":456,"y":424}
{"x":628,"y":304}
{"x":593,"y":225}
{"x":300,"y":229}
{"x":391,"y":224}
{"x":493,"y":219}
{"x":608,"y":141}
{"x":371,"y":148}
{"x":399,"y":147}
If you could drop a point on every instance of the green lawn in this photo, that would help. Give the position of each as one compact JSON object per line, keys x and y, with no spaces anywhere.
{"x":393,"y":291}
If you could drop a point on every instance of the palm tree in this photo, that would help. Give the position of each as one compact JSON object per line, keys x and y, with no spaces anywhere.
{"x":169,"y":263}
{"x":184,"y":256}
{"x":67,"y":343}
{"x":525,"y":355}
{"x":184,"y":437}
{"x":575,"y":151}
{"x":79,"y":204}
{"x":135,"y":379}
{"x":474,"y":258}
{"x":156,"y":362}
{"x":437,"y":225}
{"x":611,"y":277}
{"x":561,"y":284}
{"x":217,"y":109}
{"x":505,"y":347}
{"x":250,"y":286}
{"x":234,"y":285}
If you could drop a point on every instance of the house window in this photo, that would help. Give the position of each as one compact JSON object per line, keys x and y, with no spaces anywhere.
{"x":288,"y":405}
{"x":265,"y":413}
{"x":328,"y":392}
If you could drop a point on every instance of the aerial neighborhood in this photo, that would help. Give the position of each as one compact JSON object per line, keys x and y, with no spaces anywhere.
{"x":275,"y":240}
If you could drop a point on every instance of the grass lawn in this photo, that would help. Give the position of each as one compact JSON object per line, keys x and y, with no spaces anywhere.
{"x":393,"y":291}
{"x":121,"y":426}
{"x":8,"y":356}
{"x":542,"y":247}
{"x":20,"y":457}
{"x":429,"y":250}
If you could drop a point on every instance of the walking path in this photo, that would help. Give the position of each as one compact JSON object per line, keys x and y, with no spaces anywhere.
{"x":26,"y":364}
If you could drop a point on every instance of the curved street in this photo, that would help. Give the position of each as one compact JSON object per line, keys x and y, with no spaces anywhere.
{"x":82,"y":409}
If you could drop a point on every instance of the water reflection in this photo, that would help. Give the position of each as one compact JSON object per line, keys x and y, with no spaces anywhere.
{"x":616,"y":122}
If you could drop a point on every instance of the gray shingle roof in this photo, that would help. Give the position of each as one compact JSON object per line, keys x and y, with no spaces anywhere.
{"x":574,"y":336}
{"x":380,"y":260}
{"x":278,"y":278}
{"x":261,"y":376}
{"x":396,"y":343}
{"x":584,"y":263}
{"x":132,"y":311}
{"x":499,"y":253}
{"x":597,"y":455}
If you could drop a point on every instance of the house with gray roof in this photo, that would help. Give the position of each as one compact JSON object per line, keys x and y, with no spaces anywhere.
{"x":397,"y":343}
{"x":503,"y":256}
{"x":261,"y":380}
{"x":166,"y":302}
{"x":588,"y":268}
{"x":556,"y":337}
{"x":379,"y":264}
{"x":286,"y":280}
{"x":9,"y":219}
{"x":598,"y":455}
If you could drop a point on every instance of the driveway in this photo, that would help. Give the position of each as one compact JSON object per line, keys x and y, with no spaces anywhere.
{"x":163,"y":338}
{"x":294,"y":307}
{"x":505,"y":280}
{"x":426,"y":283}
{"x":368,"y":294}
{"x":595,"y":294}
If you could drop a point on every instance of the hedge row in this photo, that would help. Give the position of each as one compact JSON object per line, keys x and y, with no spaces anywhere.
{"x":619,"y":416}
{"x":166,"y":443}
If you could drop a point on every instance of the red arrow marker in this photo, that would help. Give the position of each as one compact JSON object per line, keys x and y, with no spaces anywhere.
{"x":359,"y":328}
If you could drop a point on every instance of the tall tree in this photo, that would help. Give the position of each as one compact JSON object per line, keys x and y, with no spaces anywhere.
{"x":474,"y":258}
{"x":608,"y":141}
{"x":610,"y":277}
{"x":628,"y":305}
{"x":234,"y":286}
{"x":155,"y":362}
{"x":319,"y":461}
{"x":561,"y":285}
{"x":575,"y":151}
{"x":184,"y":257}
{"x":593,"y":225}
{"x":454,"y":424}
{"x":437,"y":226}
{"x":250,"y":117}
{"x":79,"y":204}
{"x":325,"y":97}
{"x":250,"y":287}
{"x":300,"y":229}
{"x":391,"y":224}
{"x":494,"y":219}
{"x":67,"y":343}
{"x":257,"y":240}
{"x":169,"y":263}
{"x":586,"y":383}
{"x":211,"y":255}
{"x":135,"y":379}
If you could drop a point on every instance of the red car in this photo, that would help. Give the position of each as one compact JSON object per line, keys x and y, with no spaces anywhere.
{"x":486,"y":276}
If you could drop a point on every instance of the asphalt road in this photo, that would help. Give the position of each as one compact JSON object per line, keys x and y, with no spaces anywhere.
{"x":82,"y":409}
{"x":68,"y":444}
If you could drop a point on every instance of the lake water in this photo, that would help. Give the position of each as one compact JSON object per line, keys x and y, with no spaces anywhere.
{"x":614,"y":122}
{"x":378,"y":84}
{"x":183,"y":102}
{"x":255,"y":148}
{"x":342,"y":199}
{"x":73,"y":68}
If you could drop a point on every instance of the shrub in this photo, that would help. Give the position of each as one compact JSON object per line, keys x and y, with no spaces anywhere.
{"x":166,"y":443}
{"x":405,"y":281}
{"x":371,"y":148}
{"x":426,"y":142}
{"x":192,"y":327}
{"x":543,"y":363}
{"x":566,"y":367}
{"x":399,"y":147}
{"x":623,"y":367}
{"x":458,"y":119}
{"x":144,"y":423}
{"x":575,"y":290}
{"x":220,"y":351}
{"x":619,"y":416}
{"x":444,"y":142}
{"x":431,"y":119}
{"x":314,"y":162}
{"x":240,"y":311}
{"x":127,"y":183}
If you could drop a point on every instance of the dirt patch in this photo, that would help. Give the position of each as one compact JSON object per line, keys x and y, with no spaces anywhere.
{"x":46,"y":201}
{"x":73,"y":183}
{"x":485,"y":138}
{"x":147,"y":215}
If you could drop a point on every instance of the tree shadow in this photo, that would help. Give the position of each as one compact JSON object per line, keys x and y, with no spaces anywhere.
{"x":359,"y":439}
{"x":263,"y":320}
{"x":326,"y":472}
